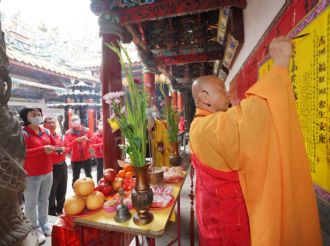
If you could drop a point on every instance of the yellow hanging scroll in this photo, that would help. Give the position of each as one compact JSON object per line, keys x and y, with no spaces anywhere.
{"x":310,"y":77}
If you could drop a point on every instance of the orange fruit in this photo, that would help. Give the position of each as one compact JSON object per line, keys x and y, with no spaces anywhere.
{"x":128,"y":168}
{"x":129,"y":175}
{"x":121,"y":174}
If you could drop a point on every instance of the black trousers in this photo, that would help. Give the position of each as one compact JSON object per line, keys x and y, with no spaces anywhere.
{"x":76,"y":167}
{"x":58,"y":191}
{"x":99,"y":164}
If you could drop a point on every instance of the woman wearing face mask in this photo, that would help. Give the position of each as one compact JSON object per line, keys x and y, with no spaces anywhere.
{"x":60,"y":172}
{"x":78,"y":139}
{"x":39,"y":144}
{"x":97,"y":146}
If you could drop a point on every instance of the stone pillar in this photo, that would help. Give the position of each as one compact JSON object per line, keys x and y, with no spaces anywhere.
{"x":149,"y":85}
{"x":110,"y":32}
{"x":14,"y":226}
{"x":66,"y":115}
{"x":69,"y":101}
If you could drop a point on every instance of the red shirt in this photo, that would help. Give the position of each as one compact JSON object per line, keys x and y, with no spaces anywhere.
{"x":181,"y":125}
{"x":37,"y":162}
{"x":98,"y":144}
{"x":59,"y":158}
{"x":79,"y":150}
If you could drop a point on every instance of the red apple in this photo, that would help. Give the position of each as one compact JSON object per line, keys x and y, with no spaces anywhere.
{"x":105,"y":188}
{"x":109,"y":174}
{"x":101,"y":181}
{"x":117,"y":184}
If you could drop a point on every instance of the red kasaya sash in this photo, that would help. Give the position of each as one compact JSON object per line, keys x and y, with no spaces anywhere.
{"x":220,"y":207}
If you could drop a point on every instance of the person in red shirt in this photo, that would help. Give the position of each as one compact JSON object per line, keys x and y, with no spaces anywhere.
{"x":39,"y":144}
{"x":181,"y":125}
{"x":97,"y":146}
{"x":78,"y":139}
{"x":60,"y":172}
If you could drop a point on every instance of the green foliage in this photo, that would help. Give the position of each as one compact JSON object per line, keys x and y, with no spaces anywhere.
{"x":132,"y":116}
{"x":171,"y":116}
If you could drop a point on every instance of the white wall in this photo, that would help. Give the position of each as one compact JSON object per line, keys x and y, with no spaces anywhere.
{"x":258,"y":15}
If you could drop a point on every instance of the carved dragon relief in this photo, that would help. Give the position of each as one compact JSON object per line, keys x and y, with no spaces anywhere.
{"x":14,"y":226}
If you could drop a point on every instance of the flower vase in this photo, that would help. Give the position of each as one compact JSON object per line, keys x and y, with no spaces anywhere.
{"x":142,"y":196}
{"x":175,"y":158}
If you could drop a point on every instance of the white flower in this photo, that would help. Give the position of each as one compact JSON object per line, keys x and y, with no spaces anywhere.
{"x":122,"y":110}
{"x":113,"y":95}
{"x":121,"y":93}
{"x":108,"y":101}
{"x":117,"y":101}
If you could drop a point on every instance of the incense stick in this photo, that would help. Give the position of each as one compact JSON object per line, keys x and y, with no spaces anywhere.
{"x":296,"y":37}
{"x":300,"y":36}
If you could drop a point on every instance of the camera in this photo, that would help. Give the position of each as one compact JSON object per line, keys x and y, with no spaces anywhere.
{"x":59,"y":151}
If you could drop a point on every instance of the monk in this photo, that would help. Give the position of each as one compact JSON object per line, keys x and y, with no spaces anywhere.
{"x":253,"y":185}
{"x":160,"y":145}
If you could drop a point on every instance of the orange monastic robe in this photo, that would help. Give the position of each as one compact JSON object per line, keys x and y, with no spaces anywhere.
{"x":261,"y":140}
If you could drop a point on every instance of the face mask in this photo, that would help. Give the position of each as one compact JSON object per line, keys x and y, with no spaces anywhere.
{"x":36,"y":121}
{"x":76,"y":123}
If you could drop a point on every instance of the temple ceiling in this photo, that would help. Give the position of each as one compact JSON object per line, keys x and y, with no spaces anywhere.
{"x":183,"y":39}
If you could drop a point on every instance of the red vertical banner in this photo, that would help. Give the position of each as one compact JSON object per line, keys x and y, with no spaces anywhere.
{"x":180,"y":102}
{"x":69,"y":113}
{"x":90,"y":112}
{"x":175,"y":99}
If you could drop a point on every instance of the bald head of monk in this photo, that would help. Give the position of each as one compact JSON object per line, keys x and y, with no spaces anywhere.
{"x":210,"y":94}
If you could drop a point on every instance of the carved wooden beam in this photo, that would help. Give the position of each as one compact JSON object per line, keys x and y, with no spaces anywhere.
{"x":170,"y":8}
{"x":188,"y":49}
{"x":191,"y":58}
{"x":164,"y":71}
{"x":136,"y":37}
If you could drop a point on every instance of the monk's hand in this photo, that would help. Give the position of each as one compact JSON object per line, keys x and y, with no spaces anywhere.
{"x":280,"y":50}
{"x":160,"y":147}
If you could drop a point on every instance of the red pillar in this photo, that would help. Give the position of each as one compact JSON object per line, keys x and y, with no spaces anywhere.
{"x":175,"y":99}
{"x":149,"y":85}
{"x":180,"y":102}
{"x":111,"y":81}
{"x":90,"y":113}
